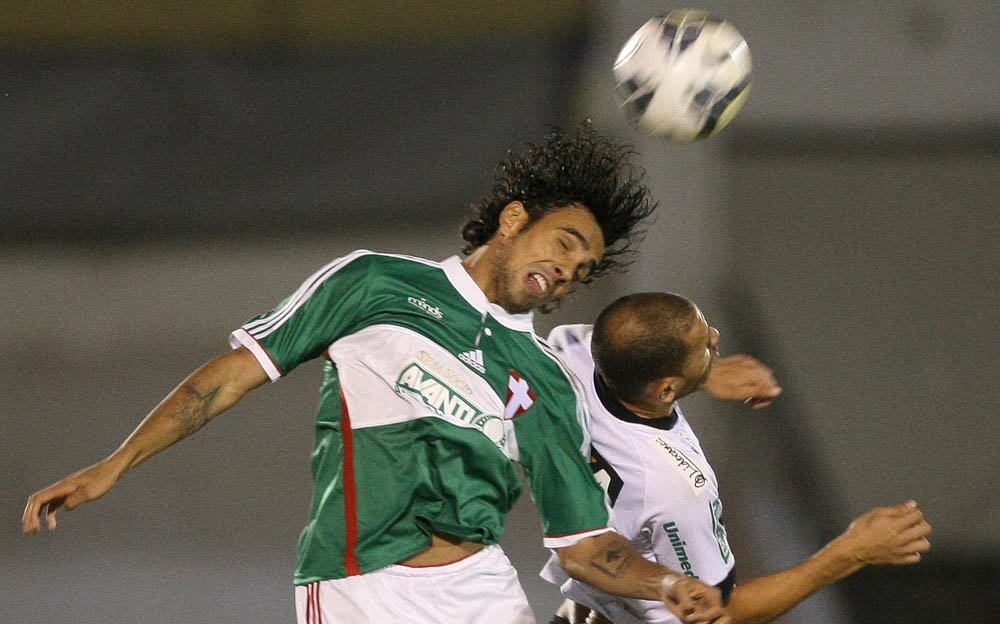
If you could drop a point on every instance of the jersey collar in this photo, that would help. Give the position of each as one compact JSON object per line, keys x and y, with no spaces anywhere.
{"x":470,"y":291}
{"x":619,"y":411}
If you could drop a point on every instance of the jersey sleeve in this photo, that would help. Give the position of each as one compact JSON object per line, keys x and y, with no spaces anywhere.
{"x":327,"y":306}
{"x":551,"y":445}
{"x":571,"y":342}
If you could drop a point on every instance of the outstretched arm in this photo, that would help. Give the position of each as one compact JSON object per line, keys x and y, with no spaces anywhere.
{"x":609,"y":563}
{"x":213,"y":388}
{"x":883,"y":536}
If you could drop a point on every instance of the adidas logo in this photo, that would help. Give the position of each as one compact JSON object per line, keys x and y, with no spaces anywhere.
{"x":474,"y":359}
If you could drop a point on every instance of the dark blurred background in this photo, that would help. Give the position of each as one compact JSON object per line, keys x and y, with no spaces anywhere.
{"x":167,"y":171}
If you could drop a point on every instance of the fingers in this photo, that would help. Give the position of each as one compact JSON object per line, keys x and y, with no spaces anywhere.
{"x":911,"y":519}
{"x":715,"y":614}
{"x":580,"y":614}
{"x":742,"y":378}
{"x":48,"y":501}
{"x":756,"y":380}
{"x":684,"y":604}
{"x":29,"y":519}
{"x":902,"y":509}
{"x":680,"y":594}
{"x":764,"y":393}
{"x":921,"y":546}
{"x":904,"y":514}
{"x":758,"y":403}
{"x":895,"y":535}
{"x":905,"y":553}
{"x":915,"y":532}
{"x":597,"y":618}
{"x":912,"y":551}
{"x":707,"y":613}
{"x":50,"y":516}
{"x":915,"y":539}
{"x":68,"y":494}
{"x":696,"y":603}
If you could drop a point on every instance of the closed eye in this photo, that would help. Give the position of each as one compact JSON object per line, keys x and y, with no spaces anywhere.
{"x":576,"y":236}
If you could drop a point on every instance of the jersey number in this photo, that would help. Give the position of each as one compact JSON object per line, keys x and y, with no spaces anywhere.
{"x":606,"y":475}
{"x":720,"y":529}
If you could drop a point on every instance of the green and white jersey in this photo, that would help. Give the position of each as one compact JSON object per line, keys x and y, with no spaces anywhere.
{"x":430,"y":394}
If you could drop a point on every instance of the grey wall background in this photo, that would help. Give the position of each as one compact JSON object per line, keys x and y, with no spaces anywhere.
{"x":157,"y":187}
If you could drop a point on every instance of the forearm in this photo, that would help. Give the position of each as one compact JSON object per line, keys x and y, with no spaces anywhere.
{"x":609,"y":563}
{"x":207,"y":392}
{"x":764,"y":599}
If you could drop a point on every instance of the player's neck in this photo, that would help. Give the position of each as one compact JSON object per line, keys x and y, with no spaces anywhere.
{"x":478,"y":266}
{"x":652,"y":412}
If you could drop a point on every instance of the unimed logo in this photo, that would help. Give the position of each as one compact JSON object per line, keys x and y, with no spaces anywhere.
{"x":678,"y":544}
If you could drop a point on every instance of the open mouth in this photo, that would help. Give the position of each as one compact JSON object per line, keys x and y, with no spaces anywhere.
{"x":538,"y":284}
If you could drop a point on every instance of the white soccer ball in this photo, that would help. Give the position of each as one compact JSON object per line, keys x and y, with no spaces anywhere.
{"x":683,"y":76}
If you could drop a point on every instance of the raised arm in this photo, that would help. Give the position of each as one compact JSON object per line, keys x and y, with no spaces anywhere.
{"x":207,"y":392}
{"x":894,"y":535}
{"x":609,"y":563}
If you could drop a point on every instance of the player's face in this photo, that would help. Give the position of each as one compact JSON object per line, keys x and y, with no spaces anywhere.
{"x":703,"y":345}
{"x":541,"y":260}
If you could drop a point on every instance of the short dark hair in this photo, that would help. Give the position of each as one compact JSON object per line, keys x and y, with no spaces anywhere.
{"x":585,"y":168}
{"x":640,"y":338}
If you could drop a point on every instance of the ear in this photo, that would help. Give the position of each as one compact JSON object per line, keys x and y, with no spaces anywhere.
{"x":513,"y":218}
{"x":666,"y":389}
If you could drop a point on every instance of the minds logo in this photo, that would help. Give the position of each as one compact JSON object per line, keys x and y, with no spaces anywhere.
{"x":426,"y":307}
{"x":417,"y":381}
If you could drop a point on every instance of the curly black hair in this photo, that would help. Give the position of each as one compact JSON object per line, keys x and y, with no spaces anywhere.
{"x":588,"y":169}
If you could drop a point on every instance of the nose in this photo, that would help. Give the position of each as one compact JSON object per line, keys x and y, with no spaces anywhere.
{"x":568,"y":272}
{"x":582,"y":264}
{"x":713,"y":336}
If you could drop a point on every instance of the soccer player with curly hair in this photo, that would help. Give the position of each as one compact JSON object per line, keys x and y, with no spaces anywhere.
{"x":436,"y":386}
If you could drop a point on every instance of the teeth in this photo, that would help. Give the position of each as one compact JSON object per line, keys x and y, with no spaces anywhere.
{"x":543,"y":284}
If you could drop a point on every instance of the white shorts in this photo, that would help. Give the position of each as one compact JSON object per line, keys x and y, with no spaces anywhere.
{"x":480,"y":589}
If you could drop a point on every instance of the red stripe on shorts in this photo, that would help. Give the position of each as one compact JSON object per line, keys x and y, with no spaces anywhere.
{"x":316,"y":609}
{"x":350,"y":492}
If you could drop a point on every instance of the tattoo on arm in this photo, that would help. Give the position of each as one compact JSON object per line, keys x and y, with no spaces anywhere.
{"x":612,"y":562}
{"x":196,"y":409}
